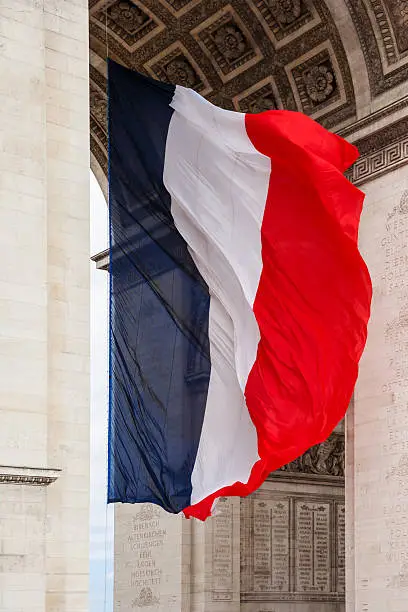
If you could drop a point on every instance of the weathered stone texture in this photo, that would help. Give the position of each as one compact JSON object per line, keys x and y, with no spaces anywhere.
{"x":44,"y":304}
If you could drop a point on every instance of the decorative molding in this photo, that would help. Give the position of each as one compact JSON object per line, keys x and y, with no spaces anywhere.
{"x":101,"y":260}
{"x":373,"y":118}
{"x":41,"y":477}
{"x":380,"y":152}
{"x":382,"y":75}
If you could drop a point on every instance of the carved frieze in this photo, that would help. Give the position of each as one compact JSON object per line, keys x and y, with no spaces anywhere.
{"x":380,"y":152}
{"x":326,"y":459}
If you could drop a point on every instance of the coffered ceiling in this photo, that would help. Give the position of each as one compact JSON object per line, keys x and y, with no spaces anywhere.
{"x":335,"y":60}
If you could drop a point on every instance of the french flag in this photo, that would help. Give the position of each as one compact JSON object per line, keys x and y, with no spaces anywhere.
{"x":239,"y":301}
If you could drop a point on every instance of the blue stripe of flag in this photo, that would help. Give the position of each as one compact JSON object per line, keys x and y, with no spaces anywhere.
{"x":159,"y":308}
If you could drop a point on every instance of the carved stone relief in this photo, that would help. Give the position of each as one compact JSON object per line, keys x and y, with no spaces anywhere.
{"x":326,"y":459}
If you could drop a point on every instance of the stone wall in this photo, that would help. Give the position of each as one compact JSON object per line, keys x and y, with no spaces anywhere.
{"x":280,"y":550}
{"x":377,"y":428}
{"x":44,"y":306}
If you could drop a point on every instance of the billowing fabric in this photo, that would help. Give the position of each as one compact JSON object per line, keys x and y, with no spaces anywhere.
{"x":239,"y":301}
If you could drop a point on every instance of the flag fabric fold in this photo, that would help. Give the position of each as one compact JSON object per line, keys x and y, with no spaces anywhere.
{"x":239,"y":301}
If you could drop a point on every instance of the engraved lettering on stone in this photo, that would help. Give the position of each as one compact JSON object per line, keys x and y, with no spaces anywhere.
{"x":271,"y":545}
{"x":280,"y":545}
{"x":341,"y":548}
{"x":222,"y":551}
{"x":146,"y":542}
{"x":147,"y":513}
{"x":394,"y":281}
{"x":312,"y":544}
{"x":262,"y":546}
{"x":246,"y":541}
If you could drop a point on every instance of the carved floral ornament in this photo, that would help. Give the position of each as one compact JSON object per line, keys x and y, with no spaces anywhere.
{"x":319,"y":83}
{"x":230,"y":42}
{"x":285,"y":11}
{"x":127,"y":15}
{"x":179,"y":71}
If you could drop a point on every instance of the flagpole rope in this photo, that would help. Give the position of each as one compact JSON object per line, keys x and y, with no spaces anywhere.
{"x":106,"y":504}
{"x":106,"y":31}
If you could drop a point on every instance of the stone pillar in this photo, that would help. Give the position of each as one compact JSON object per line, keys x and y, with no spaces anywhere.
{"x":152,"y":559}
{"x":377,"y":428}
{"x":44,"y":306}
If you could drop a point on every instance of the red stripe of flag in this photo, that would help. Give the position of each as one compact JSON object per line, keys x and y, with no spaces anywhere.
{"x":314,"y":296}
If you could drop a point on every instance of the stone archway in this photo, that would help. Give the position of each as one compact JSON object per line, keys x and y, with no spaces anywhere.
{"x":343,"y":63}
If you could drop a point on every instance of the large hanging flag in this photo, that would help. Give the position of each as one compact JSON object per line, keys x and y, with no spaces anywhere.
{"x":239,"y":301}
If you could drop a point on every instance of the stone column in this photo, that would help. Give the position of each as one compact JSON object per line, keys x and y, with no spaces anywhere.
{"x":152,"y":559}
{"x":44,"y":306}
{"x":377,"y":427}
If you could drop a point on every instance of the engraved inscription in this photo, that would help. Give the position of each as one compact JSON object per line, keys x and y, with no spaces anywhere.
{"x":262,"y":546}
{"x":341,"y":548}
{"x":313,"y":547}
{"x":146,"y":542}
{"x":245,"y":543}
{"x":271,"y":545}
{"x":280,"y":545}
{"x":297,"y":548}
{"x":222,"y":551}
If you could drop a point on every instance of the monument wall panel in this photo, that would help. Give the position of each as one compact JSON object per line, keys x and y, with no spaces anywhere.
{"x":148,"y":559}
{"x":378,"y":424}
{"x":292,"y":533}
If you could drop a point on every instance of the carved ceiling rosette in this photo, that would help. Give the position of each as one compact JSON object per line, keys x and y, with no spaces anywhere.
{"x":285,"y":11}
